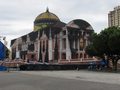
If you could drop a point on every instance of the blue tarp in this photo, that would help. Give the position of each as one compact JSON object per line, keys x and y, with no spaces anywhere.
{"x":3,"y":68}
{"x":2,"y":51}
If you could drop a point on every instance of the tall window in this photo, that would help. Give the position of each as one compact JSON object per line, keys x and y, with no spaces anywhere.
{"x":64,"y":32}
{"x":81,"y":44}
{"x":64,"y":43}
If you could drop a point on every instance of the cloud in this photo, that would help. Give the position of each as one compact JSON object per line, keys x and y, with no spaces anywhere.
{"x":15,"y":27}
{"x":17,"y":16}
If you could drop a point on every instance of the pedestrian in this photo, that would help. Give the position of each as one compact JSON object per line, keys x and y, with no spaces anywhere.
{"x":8,"y":70}
{"x":17,"y":66}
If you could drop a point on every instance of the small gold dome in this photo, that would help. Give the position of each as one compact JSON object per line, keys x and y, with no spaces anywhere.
{"x":47,"y":15}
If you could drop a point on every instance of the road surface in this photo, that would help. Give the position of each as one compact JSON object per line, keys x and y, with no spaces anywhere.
{"x":59,"y":80}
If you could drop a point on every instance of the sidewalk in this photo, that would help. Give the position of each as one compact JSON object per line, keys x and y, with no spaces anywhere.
{"x":85,"y":75}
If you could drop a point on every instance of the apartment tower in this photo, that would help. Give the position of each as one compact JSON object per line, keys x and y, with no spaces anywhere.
{"x":114,"y":17}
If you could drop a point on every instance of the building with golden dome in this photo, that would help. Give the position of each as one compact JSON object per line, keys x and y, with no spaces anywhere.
{"x":54,"y":41}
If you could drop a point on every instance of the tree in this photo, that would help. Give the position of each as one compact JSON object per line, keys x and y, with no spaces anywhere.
{"x":106,"y":42}
{"x":91,"y":50}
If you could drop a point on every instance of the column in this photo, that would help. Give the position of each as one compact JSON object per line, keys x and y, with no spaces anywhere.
{"x":60,"y":45}
{"x":50,"y":45}
{"x":68,"y":52}
{"x":38,"y":45}
{"x":78,"y":47}
{"x":17,"y":50}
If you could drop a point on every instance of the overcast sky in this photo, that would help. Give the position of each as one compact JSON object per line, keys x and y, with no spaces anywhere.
{"x":17,"y":16}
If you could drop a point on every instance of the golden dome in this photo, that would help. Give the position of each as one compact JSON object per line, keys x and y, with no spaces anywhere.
{"x":47,"y":15}
{"x":45,"y":19}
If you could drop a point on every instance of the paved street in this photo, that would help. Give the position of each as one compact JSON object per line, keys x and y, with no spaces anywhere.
{"x":59,"y":80}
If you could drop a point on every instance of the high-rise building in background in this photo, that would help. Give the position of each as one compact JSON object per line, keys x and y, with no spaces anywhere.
{"x":114,"y":17}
